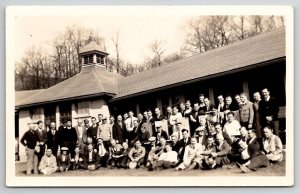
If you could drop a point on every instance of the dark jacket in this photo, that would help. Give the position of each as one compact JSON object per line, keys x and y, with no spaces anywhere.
{"x":31,"y":139}
{"x":118,"y":132}
{"x":254,"y":148}
{"x":269,"y":108}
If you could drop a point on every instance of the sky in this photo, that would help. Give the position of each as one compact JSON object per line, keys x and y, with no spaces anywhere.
{"x":136,"y":31}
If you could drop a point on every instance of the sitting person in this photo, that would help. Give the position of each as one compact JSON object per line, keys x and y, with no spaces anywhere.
{"x":160,"y":132}
{"x":200,"y":136}
{"x":232,"y":126}
{"x":91,"y":159}
{"x":186,"y":140}
{"x":63,"y":160}
{"x":202,"y":126}
{"x":77,"y":160}
{"x":175,"y":143}
{"x":136,"y":155}
{"x":167,"y":159}
{"x":222,"y":151}
{"x":89,"y":140}
{"x":102,"y":152}
{"x":155,"y":153}
{"x":143,"y":135}
{"x":272,"y":145}
{"x":115,"y":154}
{"x":48,"y":163}
{"x":219,"y":130}
{"x":125,"y":150}
{"x":205,"y":160}
{"x":189,"y":156}
{"x":252,"y":155}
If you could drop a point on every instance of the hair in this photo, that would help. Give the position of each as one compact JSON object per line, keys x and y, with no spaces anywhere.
{"x":217,"y":123}
{"x":183,"y":130}
{"x":100,"y":114}
{"x":39,"y":122}
{"x":230,"y":113}
{"x":201,"y":95}
{"x":93,"y":118}
{"x":243,"y":94}
{"x":188,"y":101}
{"x":69,"y":120}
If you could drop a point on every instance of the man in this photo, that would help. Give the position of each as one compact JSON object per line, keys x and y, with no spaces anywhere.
{"x":140,"y":119}
{"x":100,"y":116}
{"x":155,"y":153}
{"x":136,"y":155}
{"x":151,"y":121}
{"x":143,"y":136}
{"x":222,"y":151}
{"x":86,"y":124}
{"x":91,"y":159}
{"x":194,"y":118}
{"x":167,"y":159}
{"x":118,"y":130}
{"x":219,"y":131}
{"x":115,"y":154}
{"x":111,"y":120}
{"x":42,"y":134}
{"x":221,"y":108}
{"x":268,"y":109}
{"x":105,"y":132}
{"x":81,"y":135}
{"x":48,"y":164}
{"x":228,"y":105}
{"x":200,"y":136}
{"x":125,"y":116}
{"x":168,"y":117}
{"x":182,"y":108}
{"x":92,"y":130}
{"x":186,"y":140}
{"x":131,"y":135}
{"x":188,"y":109}
{"x":30,"y":140}
{"x":256,"y":159}
{"x":158,"y":116}
{"x":232,"y":126}
{"x":129,"y":122}
{"x":246,"y":112}
{"x":257,"y":99}
{"x":208,"y":105}
{"x":202,"y":109}
{"x":272,"y":145}
{"x":238,"y":102}
{"x":53,"y":141}
{"x":63,"y":124}
{"x":68,"y":137}
{"x":64,"y":160}
{"x":103,"y":152}
{"x":77,"y":160}
{"x":160,"y":133}
{"x":189,"y":155}
{"x":206,"y":161}
{"x":175,"y":143}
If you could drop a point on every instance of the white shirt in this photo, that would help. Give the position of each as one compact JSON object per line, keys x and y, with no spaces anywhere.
{"x":80,"y":131}
{"x":170,"y":156}
{"x":232,"y":128}
{"x":129,"y":123}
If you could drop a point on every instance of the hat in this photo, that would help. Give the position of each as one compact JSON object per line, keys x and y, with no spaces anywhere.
{"x":178,"y":122}
{"x":86,"y":121}
{"x":99,"y":138}
{"x":158,"y":124}
{"x":200,"y":129}
{"x":64,"y":149}
{"x":104,"y":118}
{"x":152,"y":138}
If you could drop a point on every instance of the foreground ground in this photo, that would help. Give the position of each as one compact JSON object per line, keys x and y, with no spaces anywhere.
{"x":273,"y":170}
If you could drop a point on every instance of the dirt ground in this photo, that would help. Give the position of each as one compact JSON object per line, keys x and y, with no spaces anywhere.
{"x":272,"y":170}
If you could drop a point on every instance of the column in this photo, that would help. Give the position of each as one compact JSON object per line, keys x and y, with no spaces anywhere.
{"x":246,"y":88}
{"x":211,"y":95}
{"x":181,"y":99}
{"x":24,"y":119}
{"x":137,"y":108}
{"x":94,"y":59}
{"x":57,"y":117}
{"x":159,"y":103}
{"x":73,"y":114}
{"x":170,"y":101}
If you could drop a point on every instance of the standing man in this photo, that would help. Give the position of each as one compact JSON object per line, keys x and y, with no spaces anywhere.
{"x":53,"y":141}
{"x":92,"y":130}
{"x":182,"y":108}
{"x":188,"y":109}
{"x":257,"y":99}
{"x":158,"y":116}
{"x":118,"y":130}
{"x":68,"y":137}
{"x":42,"y":134}
{"x":194,"y":118}
{"x":246,"y":112}
{"x":129,"y":122}
{"x":268,"y":109}
{"x":221,"y":108}
{"x":100,"y":116}
{"x":30,"y":139}
{"x":81,"y":135}
{"x":105,"y":132}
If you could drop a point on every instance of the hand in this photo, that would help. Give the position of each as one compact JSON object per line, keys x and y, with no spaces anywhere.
{"x":214,"y":154}
{"x":41,"y":143}
{"x":269,"y":118}
{"x":250,"y":126}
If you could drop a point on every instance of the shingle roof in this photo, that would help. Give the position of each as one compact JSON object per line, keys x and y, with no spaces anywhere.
{"x":92,"y":46}
{"x":96,"y":80}
{"x":257,"y":49}
{"x":21,"y":95}
{"x":91,"y":81}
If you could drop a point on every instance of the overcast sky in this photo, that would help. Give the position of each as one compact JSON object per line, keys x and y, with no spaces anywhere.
{"x":136,"y":31}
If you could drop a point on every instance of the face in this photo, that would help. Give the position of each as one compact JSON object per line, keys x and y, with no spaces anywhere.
{"x":111,"y":119}
{"x":206,"y":101}
{"x":125,"y":145}
{"x":48,"y":152}
{"x":230,"y":117}
{"x":79,"y":122}
{"x":143,"y":129}
{"x":210,"y":141}
{"x":94,"y":121}
{"x":52,"y":125}
{"x":69,"y":123}
{"x":243,"y":132}
{"x":196,"y":107}
{"x":175,"y":110}
{"x":193,"y":141}
{"x":104,"y":121}
{"x":157,"y":112}
{"x":243,"y":98}
{"x":76,"y":150}
{"x":218,"y":128}
{"x":202,"y":122}
{"x":185,"y":134}
{"x":267,"y":132}
{"x":119,"y":118}
{"x":140,"y":117}
{"x":100,"y":141}
{"x":100,"y":117}
{"x":89,"y":140}
{"x":113,"y":142}
{"x":220,"y":99}
{"x":90,"y":147}
{"x":135,"y":124}
{"x":188,"y":105}
{"x":125,"y":116}
{"x":138,"y":144}
{"x":40,"y":126}
{"x":168,"y":148}
{"x":251,"y":134}
{"x":201,"y":99}
{"x":31,"y":127}
{"x":64,"y":152}
{"x":182,"y":106}
{"x":238,"y":99}
{"x":265,"y":93}
{"x":149,"y":114}
{"x":145,"y":114}
{"x":174,"y":138}
{"x":256,"y":96}
{"x":162,"y":141}
{"x":131,"y":114}
{"x":169,"y":109}
{"x":178,"y":126}
{"x":228,"y":101}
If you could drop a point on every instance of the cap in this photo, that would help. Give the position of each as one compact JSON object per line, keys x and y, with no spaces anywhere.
{"x":64,"y":149}
{"x":104,"y":118}
{"x":200,"y":129}
{"x":86,"y":121}
{"x":152,"y":138}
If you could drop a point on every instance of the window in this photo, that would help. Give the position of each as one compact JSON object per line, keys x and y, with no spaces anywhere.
{"x":35,"y":114}
{"x":88,"y":59}
{"x":100,"y":59}
{"x":83,"y":108}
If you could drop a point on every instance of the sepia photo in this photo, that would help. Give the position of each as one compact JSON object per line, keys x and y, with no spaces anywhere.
{"x":149,"y":96}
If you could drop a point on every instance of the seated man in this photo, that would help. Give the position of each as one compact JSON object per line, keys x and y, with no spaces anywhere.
{"x":77,"y":160}
{"x":155,"y":153}
{"x":189,"y":156}
{"x":222,"y":151}
{"x":91,"y":159}
{"x":143,"y":135}
{"x":167,"y":159}
{"x":252,"y":155}
{"x":48,"y":163}
{"x":186,"y":140}
{"x":204,"y":158}
{"x":232,"y":126}
{"x":63,"y":160}
{"x":125,"y":150}
{"x":115,"y":154}
{"x":102,"y":152}
{"x":200,"y":136}
{"x":136,"y":155}
{"x":272,"y":145}
{"x":160,"y":132}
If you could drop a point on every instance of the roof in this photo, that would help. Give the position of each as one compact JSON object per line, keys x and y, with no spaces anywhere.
{"x":21,"y":95}
{"x":96,"y":80}
{"x":91,"y":81}
{"x":92,"y":46}
{"x":248,"y":52}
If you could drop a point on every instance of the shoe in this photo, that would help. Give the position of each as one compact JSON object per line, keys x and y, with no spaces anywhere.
{"x":244,"y":169}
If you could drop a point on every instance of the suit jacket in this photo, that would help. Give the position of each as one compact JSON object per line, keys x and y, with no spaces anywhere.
{"x":52,"y":140}
{"x":223,"y":150}
{"x":95,"y":160}
{"x":92,"y":131}
{"x":84,"y":133}
{"x":118,"y":132}
{"x":254,"y":148}
{"x":270,"y":108}
{"x":66,"y":163}
{"x":247,"y":112}
{"x":159,"y":118}
{"x":42,"y":135}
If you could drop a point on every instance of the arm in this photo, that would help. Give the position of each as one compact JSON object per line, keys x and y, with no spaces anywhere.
{"x":224,"y":151}
{"x":23,"y":139}
{"x":251,"y":109}
{"x":130,"y":154}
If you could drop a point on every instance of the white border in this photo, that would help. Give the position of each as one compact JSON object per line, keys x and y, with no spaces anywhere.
{"x":12,"y":180}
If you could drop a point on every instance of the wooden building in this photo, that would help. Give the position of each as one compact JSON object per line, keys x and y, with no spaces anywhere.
{"x":245,"y":66}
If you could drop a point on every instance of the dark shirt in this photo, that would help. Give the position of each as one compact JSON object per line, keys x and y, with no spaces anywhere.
{"x":68,"y":135}
{"x":31,"y":139}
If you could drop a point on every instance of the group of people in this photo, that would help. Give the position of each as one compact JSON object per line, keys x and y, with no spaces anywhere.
{"x":230,"y":134}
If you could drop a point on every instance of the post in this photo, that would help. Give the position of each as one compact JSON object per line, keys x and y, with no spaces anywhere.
{"x":211,"y":95}
{"x":57,"y":116}
{"x":137,"y":108}
{"x":159,"y":103}
{"x":73,"y":114}
{"x":246,"y":88}
{"x":170,"y":101}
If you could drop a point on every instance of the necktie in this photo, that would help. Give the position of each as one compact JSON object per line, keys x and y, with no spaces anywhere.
{"x":131,"y":123}
{"x":53,"y":132}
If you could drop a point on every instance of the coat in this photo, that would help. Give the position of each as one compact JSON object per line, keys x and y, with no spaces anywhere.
{"x":118,"y":132}
{"x":84,"y":134}
{"x":247,"y":112}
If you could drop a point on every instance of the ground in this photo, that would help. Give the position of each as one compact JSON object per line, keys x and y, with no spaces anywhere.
{"x":272,"y":170}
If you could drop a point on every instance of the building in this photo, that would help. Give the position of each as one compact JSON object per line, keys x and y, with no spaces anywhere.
{"x":246,"y":66}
